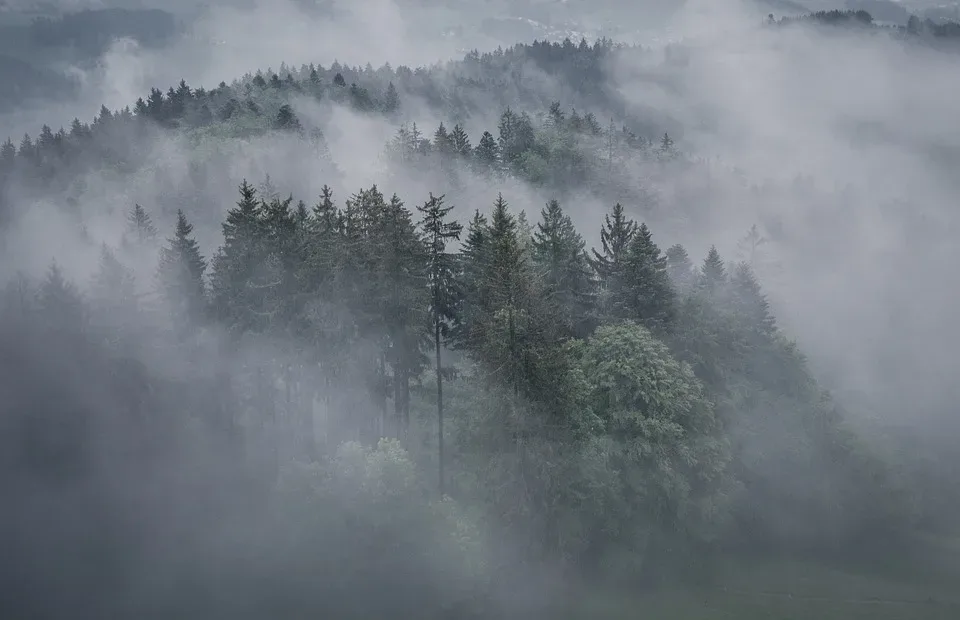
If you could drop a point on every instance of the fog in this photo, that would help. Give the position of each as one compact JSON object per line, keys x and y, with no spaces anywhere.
{"x":839,"y":146}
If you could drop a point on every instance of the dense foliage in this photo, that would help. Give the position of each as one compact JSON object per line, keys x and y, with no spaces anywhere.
{"x":365,"y":403}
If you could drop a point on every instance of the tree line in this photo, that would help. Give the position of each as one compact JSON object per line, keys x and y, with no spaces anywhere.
{"x":612,"y":398}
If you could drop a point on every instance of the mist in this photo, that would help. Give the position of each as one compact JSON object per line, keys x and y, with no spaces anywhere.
{"x":837,"y":144}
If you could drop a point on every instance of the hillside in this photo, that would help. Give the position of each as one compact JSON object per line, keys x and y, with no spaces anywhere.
{"x":561,"y":328}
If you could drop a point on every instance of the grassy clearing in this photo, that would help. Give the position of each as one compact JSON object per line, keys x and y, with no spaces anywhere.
{"x":793,"y":590}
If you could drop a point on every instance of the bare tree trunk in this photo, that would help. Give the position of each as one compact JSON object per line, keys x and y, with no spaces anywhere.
{"x":440,"y":472}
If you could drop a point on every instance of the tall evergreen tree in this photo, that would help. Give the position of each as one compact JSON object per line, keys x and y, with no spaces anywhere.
{"x":237,"y":281}
{"x":648,"y":294}
{"x":713,"y":273}
{"x":616,"y":234}
{"x":561,"y":259}
{"x":444,"y":293}
{"x":140,"y":225}
{"x":461,"y":141}
{"x":680,"y":268}
{"x":391,"y":100}
{"x":487,"y":153}
{"x":404,"y":300}
{"x":114,"y":297}
{"x":750,"y":305}
{"x":180,"y":275}
{"x":59,"y":304}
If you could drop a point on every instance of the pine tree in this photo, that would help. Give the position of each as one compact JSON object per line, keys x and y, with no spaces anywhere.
{"x":391,"y":101}
{"x":140,"y":225}
{"x":238,"y":293}
{"x":487,"y":153}
{"x":444,"y":293}
{"x":616,"y":234}
{"x":473,"y":264}
{"x":680,"y":268}
{"x":442,"y":143}
{"x":180,"y":275}
{"x":461,"y":141}
{"x":750,"y":305}
{"x":114,"y":296}
{"x":60,"y":307}
{"x":713,"y":274}
{"x":559,"y":253}
{"x":287,"y":120}
{"x":404,"y":300}
{"x":648,"y":295}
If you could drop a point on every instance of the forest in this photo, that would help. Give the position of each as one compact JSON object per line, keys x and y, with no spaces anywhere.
{"x":433,"y":396}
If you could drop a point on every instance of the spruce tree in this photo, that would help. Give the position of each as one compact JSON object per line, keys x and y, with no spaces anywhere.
{"x":713,"y":273}
{"x":616,"y":234}
{"x":180,"y":275}
{"x":487,"y":153}
{"x":561,"y":259}
{"x":237,"y":298}
{"x":287,"y":120}
{"x":404,"y":300}
{"x":473,"y":264}
{"x":140,"y":225}
{"x":114,"y":296}
{"x":60,"y":307}
{"x":749,"y":304}
{"x":444,"y":293}
{"x":391,"y":101}
{"x":461,"y":141}
{"x":680,"y":268}
{"x":648,"y":295}
{"x":442,"y":142}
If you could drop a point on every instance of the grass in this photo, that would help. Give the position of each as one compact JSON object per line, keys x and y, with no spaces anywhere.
{"x":792,"y":590}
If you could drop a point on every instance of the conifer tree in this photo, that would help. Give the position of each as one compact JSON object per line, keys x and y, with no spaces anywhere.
{"x":713,"y":273}
{"x":404,"y":300}
{"x":444,"y":293}
{"x":114,"y":296}
{"x":180,"y":275}
{"x":238,"y":293}
{"x":648,"y":295}
{"x":616,"y":234}
{"x":59,"y":304}
{"x":750,"y":305}
{"x":558,"y":250}
{"x":473,"y":264}
{"x":461,"y":141}
{"x":391,"y":101}
{"x":487,"y":153}
{"x":680,"y":268}
{"x":287,"y":120}
{"x":140,"y":225}
{"x":442,"y":142}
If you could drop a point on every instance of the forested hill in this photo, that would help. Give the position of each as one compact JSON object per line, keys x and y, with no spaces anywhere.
{"x":298,"y":353}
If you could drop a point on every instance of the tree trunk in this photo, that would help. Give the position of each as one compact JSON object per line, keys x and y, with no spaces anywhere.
{"x":436,"y":340}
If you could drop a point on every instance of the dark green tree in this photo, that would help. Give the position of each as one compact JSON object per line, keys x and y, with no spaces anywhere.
{"x":487,"y":153}
{"x":442,"y":276}
{"x":616,"y":234}
{"x":648,"y":295}
{"x":238,"y":287}
{"x":561,"y":260}
{"x":461,"y":141}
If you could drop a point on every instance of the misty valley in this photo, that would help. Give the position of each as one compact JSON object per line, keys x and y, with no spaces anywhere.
{"x":561,"y":329}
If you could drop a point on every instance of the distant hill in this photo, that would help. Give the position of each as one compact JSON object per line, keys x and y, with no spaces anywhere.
{"x":23,"y":82}
{"x":34,"y":52}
